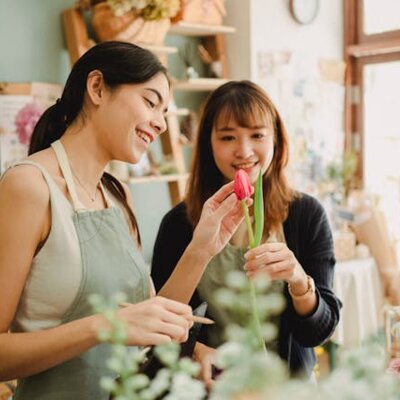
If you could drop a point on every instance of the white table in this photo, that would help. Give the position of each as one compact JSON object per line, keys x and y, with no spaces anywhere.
{"x":358,"y":286}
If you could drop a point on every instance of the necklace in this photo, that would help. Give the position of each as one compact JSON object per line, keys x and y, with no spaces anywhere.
{"x":92,"y":198}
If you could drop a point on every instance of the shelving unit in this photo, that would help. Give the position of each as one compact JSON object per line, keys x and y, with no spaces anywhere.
{"x":199,"y":84}
{"x":212,"y":38}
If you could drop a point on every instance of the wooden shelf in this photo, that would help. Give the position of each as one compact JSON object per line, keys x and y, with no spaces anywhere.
{"x":191,"y":29}
{"x":199,"y":84}
{"x":180,"y":112}
{"x":159,"y":49}
{"x":158,"y":178}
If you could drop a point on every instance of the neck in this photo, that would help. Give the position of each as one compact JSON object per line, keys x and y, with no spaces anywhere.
{"x":86,"y":157}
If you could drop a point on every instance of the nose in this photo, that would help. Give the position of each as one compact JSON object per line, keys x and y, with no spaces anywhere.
{"x":159,"y":123}
{"x":244,"y":149}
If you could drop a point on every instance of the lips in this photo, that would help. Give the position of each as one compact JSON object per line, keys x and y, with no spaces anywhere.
{"x":246,"y":165}
{"x":145,"y":136}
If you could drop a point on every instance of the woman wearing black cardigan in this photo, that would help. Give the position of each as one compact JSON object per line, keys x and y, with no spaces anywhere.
{"x":240,"y":128}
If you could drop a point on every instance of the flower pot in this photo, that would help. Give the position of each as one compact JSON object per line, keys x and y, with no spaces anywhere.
{"x":128,"y":27}
{"x":106,"y":25}
{"x":141,"y":31}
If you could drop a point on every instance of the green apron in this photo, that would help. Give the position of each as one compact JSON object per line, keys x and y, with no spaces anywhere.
{"x":111,"y":263}
{"x":231,"y":258}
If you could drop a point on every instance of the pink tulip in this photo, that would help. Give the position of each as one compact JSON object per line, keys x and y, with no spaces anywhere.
{"x":242,"y":185}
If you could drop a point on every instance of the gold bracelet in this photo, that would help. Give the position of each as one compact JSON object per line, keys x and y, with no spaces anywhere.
{"x":310,"y":289}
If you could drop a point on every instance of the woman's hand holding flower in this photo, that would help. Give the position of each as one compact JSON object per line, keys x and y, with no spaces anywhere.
{"x":277,"y":261}
{"x":221,"y":216}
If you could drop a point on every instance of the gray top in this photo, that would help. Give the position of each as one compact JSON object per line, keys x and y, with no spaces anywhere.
{"x":109,"y":263}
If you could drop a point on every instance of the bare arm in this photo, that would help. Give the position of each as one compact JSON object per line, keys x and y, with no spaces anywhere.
{"x":25,"y":218}
{"x":221,"y":216}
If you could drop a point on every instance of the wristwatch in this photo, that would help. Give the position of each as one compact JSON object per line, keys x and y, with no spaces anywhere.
{"x":310,"y":290}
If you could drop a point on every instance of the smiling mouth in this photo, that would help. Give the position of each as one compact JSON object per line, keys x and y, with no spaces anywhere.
{"x":247,"y":165}
{"x":146,"y":137}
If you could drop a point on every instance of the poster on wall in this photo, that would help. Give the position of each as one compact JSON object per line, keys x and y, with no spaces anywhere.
{"x":309,"y":94}
{"x":21,"y":106}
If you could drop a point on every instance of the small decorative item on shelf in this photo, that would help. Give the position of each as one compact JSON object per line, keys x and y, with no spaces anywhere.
{"x":208,"y":12}
{"x":189,"y":126}
{"x":214,"y":66}
{"x":186,"y":55}
{"x":135,"y":21}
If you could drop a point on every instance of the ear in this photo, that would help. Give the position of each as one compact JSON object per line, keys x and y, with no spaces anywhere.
{"x":95,"y":87}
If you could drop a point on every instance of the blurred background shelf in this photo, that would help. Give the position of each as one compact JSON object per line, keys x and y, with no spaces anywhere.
{"x":191,"y":29}
{"x":199,"y":84}
{"x":158,"y":178}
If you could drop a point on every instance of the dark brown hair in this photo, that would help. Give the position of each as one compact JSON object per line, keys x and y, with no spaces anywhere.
{"x":244,"y":102}
{"x":120,"y":63}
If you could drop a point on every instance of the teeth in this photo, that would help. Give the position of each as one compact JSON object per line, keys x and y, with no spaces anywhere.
{"x":143,"y":136}
{"x":244,"y":166}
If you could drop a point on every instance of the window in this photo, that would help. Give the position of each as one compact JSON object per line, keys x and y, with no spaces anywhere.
{"x":372,"y":55}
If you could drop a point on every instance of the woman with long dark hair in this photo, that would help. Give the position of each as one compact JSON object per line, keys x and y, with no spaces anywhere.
{"x":67,"y":230}
{"x":240,"y":128}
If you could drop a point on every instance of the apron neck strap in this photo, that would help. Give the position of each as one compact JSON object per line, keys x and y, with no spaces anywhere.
{"x":67,"y":173}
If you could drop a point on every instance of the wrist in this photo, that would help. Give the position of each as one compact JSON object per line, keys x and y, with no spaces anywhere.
{"x":200,"y":254}
{"x":302,"y":289}
{"x":97,"y":324}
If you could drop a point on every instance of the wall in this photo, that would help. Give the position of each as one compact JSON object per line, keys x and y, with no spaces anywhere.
{"x":266,"y":25}
{"x":302,"y":70}
{"x":37,"y":52}
{"x":32,"y":49}
{"x":31,"y":41}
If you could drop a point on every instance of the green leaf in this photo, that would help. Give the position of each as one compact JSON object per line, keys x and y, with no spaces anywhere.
{"x":258,"y":210}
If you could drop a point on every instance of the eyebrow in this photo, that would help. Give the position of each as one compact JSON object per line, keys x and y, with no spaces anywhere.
{"x":228,"y":129}
{"x":160,"y":98}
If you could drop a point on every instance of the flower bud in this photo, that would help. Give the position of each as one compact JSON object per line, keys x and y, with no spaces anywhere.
{"x":242,"y":185}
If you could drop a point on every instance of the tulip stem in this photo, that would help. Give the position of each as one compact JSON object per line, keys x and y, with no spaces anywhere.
{"x":253,"y":295}
{"x":256,"y":319}
{"x":248,"y":223}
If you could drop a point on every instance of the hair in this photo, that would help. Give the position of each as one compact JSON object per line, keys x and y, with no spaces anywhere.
{"x":120,"y":63}
{"x":244,"y":102}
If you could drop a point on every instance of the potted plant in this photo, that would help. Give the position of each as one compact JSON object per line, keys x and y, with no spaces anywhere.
{"x":135,"y":21}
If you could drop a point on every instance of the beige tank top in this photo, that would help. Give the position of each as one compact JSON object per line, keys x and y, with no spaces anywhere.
{"x":55,"y":273}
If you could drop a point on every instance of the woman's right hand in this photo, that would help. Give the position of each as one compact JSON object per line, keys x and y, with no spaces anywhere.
{"x":221,"y":216}
{"x":155,"y":321}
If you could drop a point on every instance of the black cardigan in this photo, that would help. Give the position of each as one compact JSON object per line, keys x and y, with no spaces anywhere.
{"x":309,"y":237}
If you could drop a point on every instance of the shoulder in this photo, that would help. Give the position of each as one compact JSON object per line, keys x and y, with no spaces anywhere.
{"x":305,"y":204}
{"x":176,"y":220}
{"x":25,"y":202}
{"x":177,"y":214}
{"x":25,"y":184}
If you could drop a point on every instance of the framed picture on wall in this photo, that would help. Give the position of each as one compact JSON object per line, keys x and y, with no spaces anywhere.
{"x":21,"y":105}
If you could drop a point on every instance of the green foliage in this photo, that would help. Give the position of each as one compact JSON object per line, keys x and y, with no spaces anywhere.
{"x":248,"y":373}
{"x":175,"y":381}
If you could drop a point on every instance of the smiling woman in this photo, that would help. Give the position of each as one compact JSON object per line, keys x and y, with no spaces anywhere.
{"x":240,"y":128}
{"x":83,"y":237}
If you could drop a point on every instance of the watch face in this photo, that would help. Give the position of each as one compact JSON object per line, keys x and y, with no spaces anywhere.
{"x":304,"y":11}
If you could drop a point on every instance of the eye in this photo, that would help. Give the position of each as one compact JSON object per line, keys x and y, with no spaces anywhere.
{"x":258,"y":135}
{"x":150,"y":103}
{"x":227,"y":138}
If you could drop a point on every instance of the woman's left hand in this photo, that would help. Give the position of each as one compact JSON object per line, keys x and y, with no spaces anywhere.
{"x":277,"y":261}
{"x":220,"y":217}
{"x":205,"y":356}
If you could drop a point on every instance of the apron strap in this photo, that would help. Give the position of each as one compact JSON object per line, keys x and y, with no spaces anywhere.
{"x":66,"y":171}
{"x":107,"y":198}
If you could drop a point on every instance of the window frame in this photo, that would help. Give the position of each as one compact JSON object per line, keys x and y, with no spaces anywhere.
{"x":359,"y":50}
